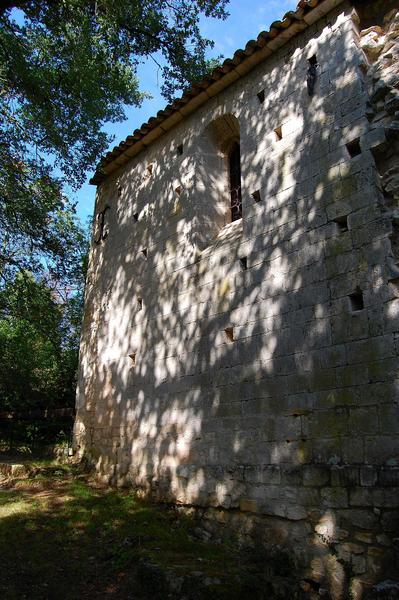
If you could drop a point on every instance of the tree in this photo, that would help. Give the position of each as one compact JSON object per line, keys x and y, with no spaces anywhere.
{"x":40,"y":321}
{"x":38,"y":347}
{"x":66,"y":67}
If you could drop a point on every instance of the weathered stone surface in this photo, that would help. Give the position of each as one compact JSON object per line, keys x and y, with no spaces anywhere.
{"x":264,"y":380}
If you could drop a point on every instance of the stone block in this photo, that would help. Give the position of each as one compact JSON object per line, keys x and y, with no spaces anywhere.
{"x":363,"y":518}
{"x":368,"y":476}
{"x":316,"y":475}
{"x":363,"y":420}
{"x":350,"y":376}
{"x":388,"y":476}
{"x":351,"y":326}
{"x":339,"y":398}
{"x":373,"y":139}
{"x":386,"y":497}
{"x":327,"y":451}
{"x":371,"y":350}
{"x":295,"y":513}
{"x":389,"y":418}
{"x":344,"y":476}
{"x":328,"y":423}
{"x":353,"y":449}
{"x":271,"y":475}
{"x":390,"y":521}
{"x":334,"y":497}
{"x":361,"y":497}
{"x":382,"y":450}
{"x":364,"y":536}
{"x":248,"y":505}
{"x":291,"y":475}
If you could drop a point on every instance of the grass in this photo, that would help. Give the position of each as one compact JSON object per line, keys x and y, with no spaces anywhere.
{"x":63,"y":537}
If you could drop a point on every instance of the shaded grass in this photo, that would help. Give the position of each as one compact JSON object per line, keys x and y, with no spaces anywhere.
{"x":63,"y":537}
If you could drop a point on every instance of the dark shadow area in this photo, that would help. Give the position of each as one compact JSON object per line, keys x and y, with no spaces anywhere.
{"x":36,"y":432}
{"x":63,"y":538}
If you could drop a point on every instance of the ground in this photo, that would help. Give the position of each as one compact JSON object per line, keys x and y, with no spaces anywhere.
{"x":62,"y":536}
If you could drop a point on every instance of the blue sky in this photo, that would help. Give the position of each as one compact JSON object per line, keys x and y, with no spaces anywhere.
{"x":246,"y":20}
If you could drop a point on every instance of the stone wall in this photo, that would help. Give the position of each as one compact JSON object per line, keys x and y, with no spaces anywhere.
{"x":249,"y":369}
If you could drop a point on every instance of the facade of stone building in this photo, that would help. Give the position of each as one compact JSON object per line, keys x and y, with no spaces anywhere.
{"x":240,"y":341}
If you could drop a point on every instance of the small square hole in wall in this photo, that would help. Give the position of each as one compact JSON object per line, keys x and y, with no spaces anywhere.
{"x":229,"y":331}
{"x":139,"y":303}
{"x":261,"y":96}
{"x":179,"y":149}
{"x":132,"y":357}
{"x":342,"y":224}
{"x":353,"y":148}
{"x":278,"y":133}
{"x":144,"y":252}
{"x":313,"y":60}
{"x":356,"y":300}
{"x":256,"y":196}
{"x":136,"y":217}
{"x":244,"y":263}
{"x":150,"y":169}
{"x":178,"y":190}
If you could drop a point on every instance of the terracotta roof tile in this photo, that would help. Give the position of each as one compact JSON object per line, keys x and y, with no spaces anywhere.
{"x":304,"y":7}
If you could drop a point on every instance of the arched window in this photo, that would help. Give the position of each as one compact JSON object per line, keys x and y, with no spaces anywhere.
{"x":235,"y":181}
{"x":217,"y":180}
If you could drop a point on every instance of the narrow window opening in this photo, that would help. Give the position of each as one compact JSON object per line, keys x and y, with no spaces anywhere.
{"x":342,"y":224}
{"x":256,"y":196}
{"x":229,"y":331}
{"x":353,"y":148}
{"x":244,"y":263}
{"x":179,"y":149}
{"x":133,"y":359}
{"x":150,"y":169}
{"x":119,"y":188}
{"x":278,"y":133}
{"x":235,"y":182}
{"x":311,"y":75}
{"x":139,"y":303}
{"x":261,"y":96}
{"x":136,"y":217}
{"x":356,"y":300}
{"x":178,"y":190}
{"x":145,"y":252}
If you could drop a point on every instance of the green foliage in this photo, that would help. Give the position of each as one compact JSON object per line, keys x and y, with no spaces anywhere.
{"x":66,"y":68}
{"x":38,"y":346}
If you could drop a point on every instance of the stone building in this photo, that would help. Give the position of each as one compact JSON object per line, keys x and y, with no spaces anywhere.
{"x":240,"y":342}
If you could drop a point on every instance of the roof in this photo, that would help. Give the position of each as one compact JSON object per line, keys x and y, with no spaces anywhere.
{"x":244,"y":60}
